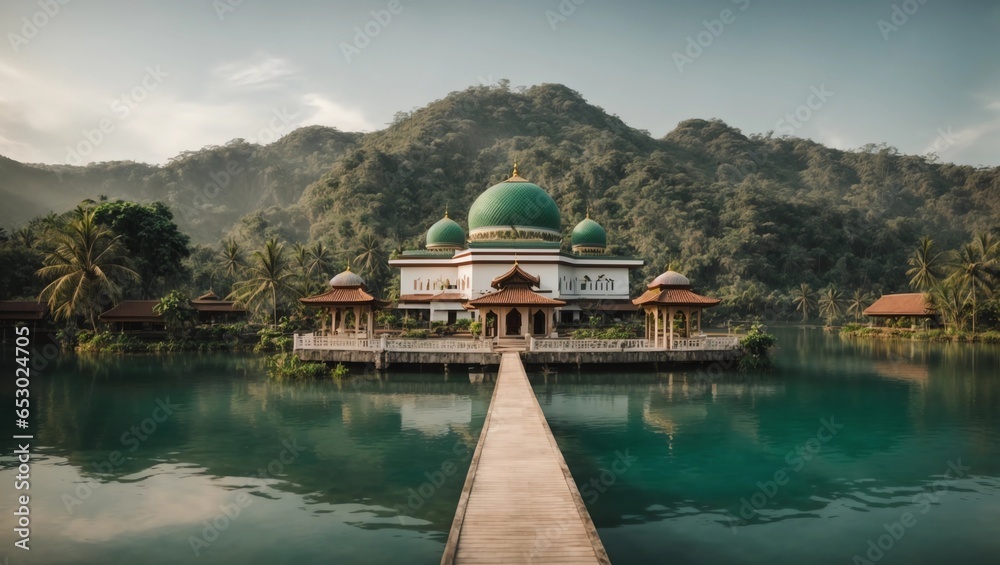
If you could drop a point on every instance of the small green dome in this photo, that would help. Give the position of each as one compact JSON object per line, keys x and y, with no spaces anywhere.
{"x":514,"y":202}
{"x":446,"y":234}
{"x":589,"y":234}
{"x":347,"y":279}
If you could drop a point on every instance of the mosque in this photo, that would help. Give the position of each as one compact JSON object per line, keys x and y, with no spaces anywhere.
{"x":513,"y":223}
{"x":511,"y":272}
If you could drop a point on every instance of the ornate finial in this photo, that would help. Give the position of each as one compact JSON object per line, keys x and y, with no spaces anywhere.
{"x":515,"y":259}
{"x":348,"y":265}
{"x":588,"y":211}
{"x":445,"y":210}
{"x":514,"y":174}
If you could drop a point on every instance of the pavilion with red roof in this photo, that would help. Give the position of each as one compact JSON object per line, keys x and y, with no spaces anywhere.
{"x":515,"y":309}
{"x":907,"y":305}
{"x":669,"y":302}
{"x":348,"y":301}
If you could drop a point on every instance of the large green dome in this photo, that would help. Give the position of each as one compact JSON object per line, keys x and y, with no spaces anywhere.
{"x":445,"y":234}
{"x":514,"y":209}
{"x":588,"y":235}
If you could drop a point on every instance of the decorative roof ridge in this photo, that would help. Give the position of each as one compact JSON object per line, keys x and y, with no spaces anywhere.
{"x":511,"y":276}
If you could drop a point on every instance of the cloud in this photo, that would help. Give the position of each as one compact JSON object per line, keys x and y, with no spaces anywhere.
{"x":330,"y":113}
{"x":970,"y":137}
{"x":257,"y":72}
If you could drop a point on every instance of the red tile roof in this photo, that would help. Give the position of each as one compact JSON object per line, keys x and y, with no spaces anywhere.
{"x":515,"y":296}
{"x":22,"y":310}
{"x":132,"y":311}
{"x":341,"y":296}
{"x":674,"y":297}
{"x":516,"y":275}
{"x":909,"y":304}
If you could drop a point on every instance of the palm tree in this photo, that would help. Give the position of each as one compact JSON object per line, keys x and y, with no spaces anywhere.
{"x":270,"y":279}
{"x":321,"y":259}
{"x":804,"y":299}
{"x":303,"y":262}
{"x":232,"y":258}
{"x":371,"y":261}
{"x":831,"y":305}
{"x":87,"y":262}
{"x":926,"y":265}
{"x":857,"y":303}
{"x":300,"y":258}
{"x":949,"y":300}
{"x":989,"y":246}
{"x":973,"y":271}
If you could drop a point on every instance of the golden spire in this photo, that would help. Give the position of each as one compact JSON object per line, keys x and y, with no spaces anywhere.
{"x":514,"y":174}
{"x":445,"y":210}
{"x":588,"y":211}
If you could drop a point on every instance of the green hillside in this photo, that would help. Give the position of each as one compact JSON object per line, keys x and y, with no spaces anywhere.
{"x":745,"y":217}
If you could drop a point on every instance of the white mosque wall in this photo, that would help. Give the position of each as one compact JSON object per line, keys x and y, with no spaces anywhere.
{"x":595,"y":282}
{"x":427,"y":279}
{"x":473,"y":279}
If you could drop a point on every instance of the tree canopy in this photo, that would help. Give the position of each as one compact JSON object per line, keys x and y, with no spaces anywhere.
{"x":152,"y":239}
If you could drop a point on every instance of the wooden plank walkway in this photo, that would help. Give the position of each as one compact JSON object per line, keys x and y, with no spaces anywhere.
{"x":520,"y":503}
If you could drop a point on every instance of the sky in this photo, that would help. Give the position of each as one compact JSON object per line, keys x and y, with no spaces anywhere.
{"x":143,"y":80}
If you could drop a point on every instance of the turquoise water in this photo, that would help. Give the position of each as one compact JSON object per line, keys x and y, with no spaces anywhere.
{"x":321,"y":472}
{"x":910,"y":460}
{"x":316,"y":471}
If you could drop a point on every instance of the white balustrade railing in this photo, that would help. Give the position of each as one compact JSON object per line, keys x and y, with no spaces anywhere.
{"x":679,"y":344}
{"x":438,"y":345}
{"x":722,"y":342}
{"x":336,"y":343}
{"x":310,"y":341}
{"x":589,"y":344}
{"x":719,"y":343}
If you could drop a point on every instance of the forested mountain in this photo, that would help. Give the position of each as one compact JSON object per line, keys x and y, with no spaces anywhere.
{"x":208,"y":190}
{"x":745,"y":217}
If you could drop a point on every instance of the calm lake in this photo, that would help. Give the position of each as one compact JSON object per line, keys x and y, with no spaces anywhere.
{"x":885,"y":450}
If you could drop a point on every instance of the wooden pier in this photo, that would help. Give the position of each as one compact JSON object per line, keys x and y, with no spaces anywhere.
{"x":520,"y":503}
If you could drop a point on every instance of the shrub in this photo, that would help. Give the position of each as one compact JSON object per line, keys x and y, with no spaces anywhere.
{"x":463,"y":323}
{"x":992,"y":336}
{"x":618,"y":331}
{"x":107,"y":342}
{"x":178,"y":314}
{"x":273,"y":340}
{"x":288,"y":366}
{"x":410,"y":323}
{"x":756,"y":345}
{"x":386,"y":319}
{"x":415,"y":334}
{"x":340,"y":371}
{"x":476,"y":328}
